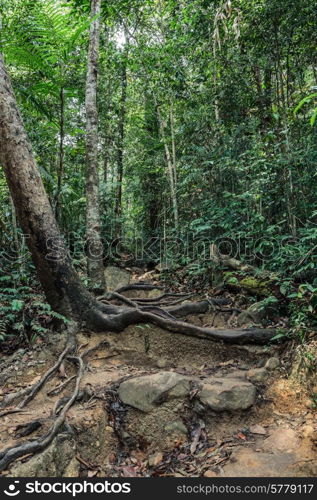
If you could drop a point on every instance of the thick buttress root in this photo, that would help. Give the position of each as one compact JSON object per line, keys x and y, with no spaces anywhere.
{"x":115,"y":318}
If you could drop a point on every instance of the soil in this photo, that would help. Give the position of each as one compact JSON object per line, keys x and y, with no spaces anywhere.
{"x":276,"y":437}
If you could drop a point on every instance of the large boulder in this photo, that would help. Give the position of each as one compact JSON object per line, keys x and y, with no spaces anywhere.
{"x":116,"y":277}
{"x":227,"y":394}
{"x":148,"y":391}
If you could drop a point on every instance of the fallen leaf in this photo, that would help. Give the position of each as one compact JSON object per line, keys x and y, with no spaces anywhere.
{"x":155,"y":459}
{"x":129,"y":471}
{"x":92,"y":473}
{"x":240,"y":435}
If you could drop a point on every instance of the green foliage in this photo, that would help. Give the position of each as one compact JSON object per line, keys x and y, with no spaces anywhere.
{"x":24,"y":314}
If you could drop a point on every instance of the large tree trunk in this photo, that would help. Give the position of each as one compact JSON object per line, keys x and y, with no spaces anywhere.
{"x":95,"y":269}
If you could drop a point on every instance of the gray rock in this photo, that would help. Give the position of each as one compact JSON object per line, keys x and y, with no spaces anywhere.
{"x":281,"y":439}
{"x":257,"y":374}
{"x":228,"y":394}
{"x":116,"y":277}
{"x":147,"y":392}
{"x":161,"y":363}
{"x":176,"y":427}
{"x":258,"y":312}
{"x":272,"y":363}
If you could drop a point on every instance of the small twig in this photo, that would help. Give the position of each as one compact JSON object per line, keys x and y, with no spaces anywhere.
{"x":60,"y":387}
{"x":164,"y":296}
{"x":12,"y":410}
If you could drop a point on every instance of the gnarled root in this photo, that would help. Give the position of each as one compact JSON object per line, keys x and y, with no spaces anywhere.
{"x":120,"y":318}
{"x":10,"y":454}
{"x":31,"y":392}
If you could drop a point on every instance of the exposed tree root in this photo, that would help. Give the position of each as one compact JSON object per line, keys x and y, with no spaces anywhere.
{"x":183,"y":296}
{"x":30,"y":447}
{"x":139,"y":286}
{"x":35,"y":389}
{"x":31,"y":392}
{"x":120,"y":318}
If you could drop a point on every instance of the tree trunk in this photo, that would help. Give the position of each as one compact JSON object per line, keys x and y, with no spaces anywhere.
{"x":122,"y":112}
{"x":94,"y":247}
{"x":60,"y":283}
{"x":171,"y":168}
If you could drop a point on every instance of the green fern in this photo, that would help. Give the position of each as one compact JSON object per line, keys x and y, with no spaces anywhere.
{"x":40,"y":37}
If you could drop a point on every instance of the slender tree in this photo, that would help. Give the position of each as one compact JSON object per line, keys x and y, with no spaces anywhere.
{"x":120,"y":146}
{"x":95,"y":269}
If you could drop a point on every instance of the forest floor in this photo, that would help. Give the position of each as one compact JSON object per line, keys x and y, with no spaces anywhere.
{"x":160,"y":404}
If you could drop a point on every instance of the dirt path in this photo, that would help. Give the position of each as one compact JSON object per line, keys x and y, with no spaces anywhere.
{"x":184,"y":427}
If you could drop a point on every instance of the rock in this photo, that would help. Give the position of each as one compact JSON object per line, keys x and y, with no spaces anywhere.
{"x":259,"y":311}
{"x":257,"y":374}
{"x":257,"y":429}
{"x":309,"y":431}
{"x":155,"y":459}
{"x":272,"y":363}
{"x":210,"y":473}
{"x":255,"y":286}
{"x":116,"y":277}
{"x":146,"y":392}
{"x":161,"y":363}
{"x":228,"y":394}
{"x":281,"y":440}
{"x":176,"y":427}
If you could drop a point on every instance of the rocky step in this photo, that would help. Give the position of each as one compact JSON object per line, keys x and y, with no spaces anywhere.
{"x":146,"y":393}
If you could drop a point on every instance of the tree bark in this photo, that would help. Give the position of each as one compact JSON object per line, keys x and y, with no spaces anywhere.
{"x":94,"y":246}
{"x":121,"y":129}
{"x":60,"y":283}
{"x":171,"y":168}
